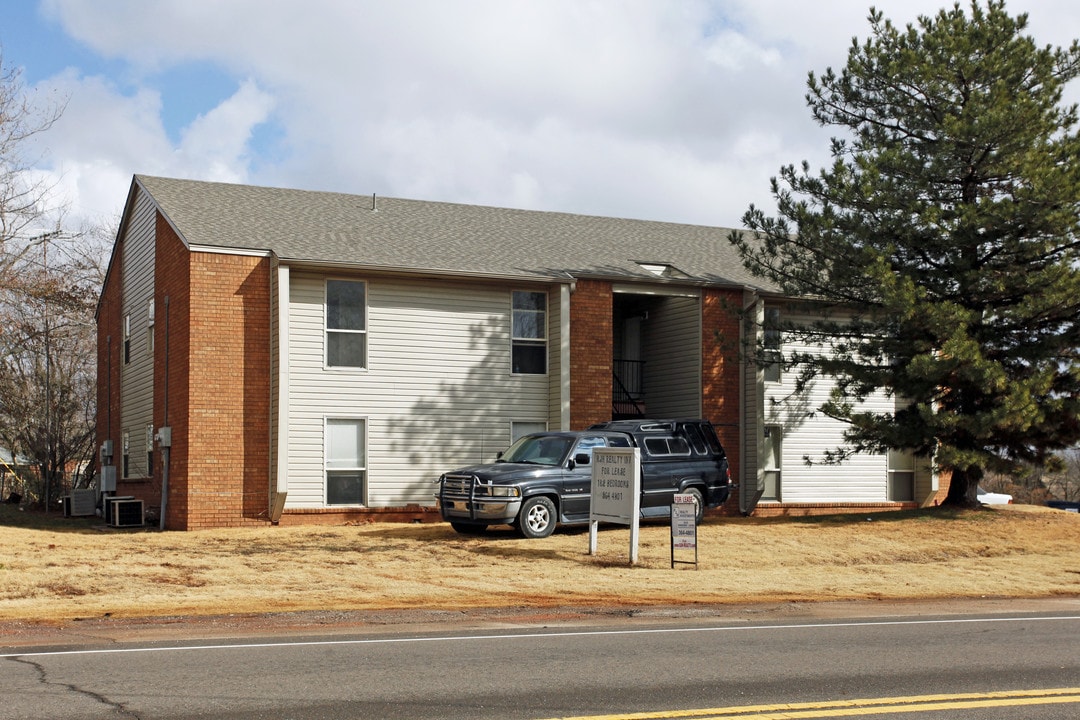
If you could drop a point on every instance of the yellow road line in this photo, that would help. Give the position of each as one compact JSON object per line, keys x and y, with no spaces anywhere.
{"x":848,"y":708}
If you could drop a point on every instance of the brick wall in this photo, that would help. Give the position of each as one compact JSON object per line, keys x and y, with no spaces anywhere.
{"x":110,"y":334}
{"x":211,"y":381}
{"x":228,"y":411}
{"x":172,"y":280}
{"x":590,"y":353}
{"x":720,"y":379}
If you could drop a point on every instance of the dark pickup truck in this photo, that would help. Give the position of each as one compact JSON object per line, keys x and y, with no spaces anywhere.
{"x":545,"y":478}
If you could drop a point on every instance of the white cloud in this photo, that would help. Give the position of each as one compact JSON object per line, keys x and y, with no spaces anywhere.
{"x":104,"y":136}
{"x":678,"y":111}
{"x":217,"y":143}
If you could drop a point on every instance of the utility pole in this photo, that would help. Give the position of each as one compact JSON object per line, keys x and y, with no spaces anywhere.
{"x":50,"y":454}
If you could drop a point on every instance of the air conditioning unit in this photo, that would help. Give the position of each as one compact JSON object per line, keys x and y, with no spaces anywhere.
{"x":80,"y":503}
{"x":125,"y":512}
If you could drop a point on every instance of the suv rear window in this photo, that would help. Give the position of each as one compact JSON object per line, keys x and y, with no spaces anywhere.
{"x":694,"y":434}
{"x":659,"y":446}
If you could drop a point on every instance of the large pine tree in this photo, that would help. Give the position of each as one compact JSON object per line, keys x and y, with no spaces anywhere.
{"x":941,"y":247}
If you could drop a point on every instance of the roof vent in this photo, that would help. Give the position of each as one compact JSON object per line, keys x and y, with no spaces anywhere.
{"x":664,"y":270}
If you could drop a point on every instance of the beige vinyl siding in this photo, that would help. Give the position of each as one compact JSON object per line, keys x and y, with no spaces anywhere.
{"x":672,"y":343}
{"x":807,"y":433}
{"x":137,"y":376}
{"x":437,"y":392}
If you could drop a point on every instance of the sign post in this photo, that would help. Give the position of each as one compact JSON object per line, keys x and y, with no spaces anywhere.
{"x":616,"y":493}
{"x":684,"y":527}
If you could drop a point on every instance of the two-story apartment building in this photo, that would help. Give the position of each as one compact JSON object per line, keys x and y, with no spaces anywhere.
{"x":274,"y":355}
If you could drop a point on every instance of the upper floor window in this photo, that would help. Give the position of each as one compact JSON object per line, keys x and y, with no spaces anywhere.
{"x":346,"y":324}
{"x":127,"y":339}
{"x":150,"y":327}
{"x":771,"y":342}
{"x":529,"y":333}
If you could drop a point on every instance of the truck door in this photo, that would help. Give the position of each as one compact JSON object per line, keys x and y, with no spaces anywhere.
{"x":577,"y":482}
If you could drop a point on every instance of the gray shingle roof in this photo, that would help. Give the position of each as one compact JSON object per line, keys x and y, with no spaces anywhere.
{"x":446,"y":238}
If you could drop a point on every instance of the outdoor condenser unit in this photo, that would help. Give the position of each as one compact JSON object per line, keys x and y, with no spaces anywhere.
{"x":126,"y":512}
{"x":80,"y":503}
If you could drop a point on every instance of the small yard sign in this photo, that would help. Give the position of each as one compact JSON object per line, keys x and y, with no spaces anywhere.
{"x":684,"y":527}
{"x":616,"y":493}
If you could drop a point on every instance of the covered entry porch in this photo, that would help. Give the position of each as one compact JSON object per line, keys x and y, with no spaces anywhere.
{"x":656,"y":353}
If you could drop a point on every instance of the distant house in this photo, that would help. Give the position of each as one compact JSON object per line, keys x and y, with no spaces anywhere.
{"x":287,"y":356}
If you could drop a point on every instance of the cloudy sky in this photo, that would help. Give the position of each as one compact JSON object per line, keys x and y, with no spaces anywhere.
{"x":676,"y":110}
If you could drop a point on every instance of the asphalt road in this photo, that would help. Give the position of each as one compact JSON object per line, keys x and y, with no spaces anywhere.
{"x":1008,"y":660}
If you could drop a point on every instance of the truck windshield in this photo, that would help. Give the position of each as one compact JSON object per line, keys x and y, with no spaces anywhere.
{"x":539,"y":449}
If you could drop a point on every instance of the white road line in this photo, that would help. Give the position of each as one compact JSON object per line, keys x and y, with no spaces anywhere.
{"x":534,"y":635}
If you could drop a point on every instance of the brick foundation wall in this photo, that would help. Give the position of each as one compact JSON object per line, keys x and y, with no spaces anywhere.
{"x":812,"y":509}
{"x":590,"y":353}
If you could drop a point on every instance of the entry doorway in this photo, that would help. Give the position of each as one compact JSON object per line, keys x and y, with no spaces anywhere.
{"x":656,"y":363}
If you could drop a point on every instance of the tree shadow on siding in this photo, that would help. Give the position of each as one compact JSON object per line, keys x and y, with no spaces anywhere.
{"x":466,"y":417}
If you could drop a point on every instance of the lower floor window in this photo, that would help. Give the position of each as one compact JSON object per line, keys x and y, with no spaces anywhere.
{"x":344,"y":488}
{"x":771,"y":463}
{"x":346,"y":463}
{"x":901,"y":476}
{"x":520,"y":428}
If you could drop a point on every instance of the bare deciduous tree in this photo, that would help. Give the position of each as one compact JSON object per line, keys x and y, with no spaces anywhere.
{"x":49,"y":281}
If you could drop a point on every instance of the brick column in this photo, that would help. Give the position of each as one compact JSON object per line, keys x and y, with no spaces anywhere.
{"x":591,"y":338}
{"x":720,"y":377}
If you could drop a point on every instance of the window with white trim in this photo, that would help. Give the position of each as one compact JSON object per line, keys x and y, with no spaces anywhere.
{"x":126,"y":445}
{"x":346,"y":323}
{"x":346,"y":461}
{"x":127,"y":339}
{"x":149,"y":450}
{"x":529,"y":333}
{"x":901,"y":476}
{"x":771,"y":343}
{"x":771,"y":456}
{"x":150,"y":328}
{"x":520,"y":428}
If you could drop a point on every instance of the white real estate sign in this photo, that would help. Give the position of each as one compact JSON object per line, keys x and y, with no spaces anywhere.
{"x":683,"y":526}
{"x":616,"y":493}
{"x":684,"y":522}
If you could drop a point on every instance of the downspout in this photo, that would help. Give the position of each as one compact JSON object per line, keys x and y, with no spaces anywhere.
{"x":564,"y":354}
{"x":165,"y":433}
{"x":281,"y":486}
{"x":750,"y":299}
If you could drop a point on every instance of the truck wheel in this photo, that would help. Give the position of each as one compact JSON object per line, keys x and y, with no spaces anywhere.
{"x":468,"y":528}
{"x":537,"y":518}
{"x":699,"y":502}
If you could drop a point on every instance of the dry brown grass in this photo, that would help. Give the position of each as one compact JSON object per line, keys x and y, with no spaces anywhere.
{"x":73,"y":568}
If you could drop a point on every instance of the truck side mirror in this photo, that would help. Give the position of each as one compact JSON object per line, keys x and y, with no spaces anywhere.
{"x":582,"y":459}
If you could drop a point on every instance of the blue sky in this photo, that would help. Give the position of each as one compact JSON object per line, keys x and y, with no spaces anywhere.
{"x":677,"y":111}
